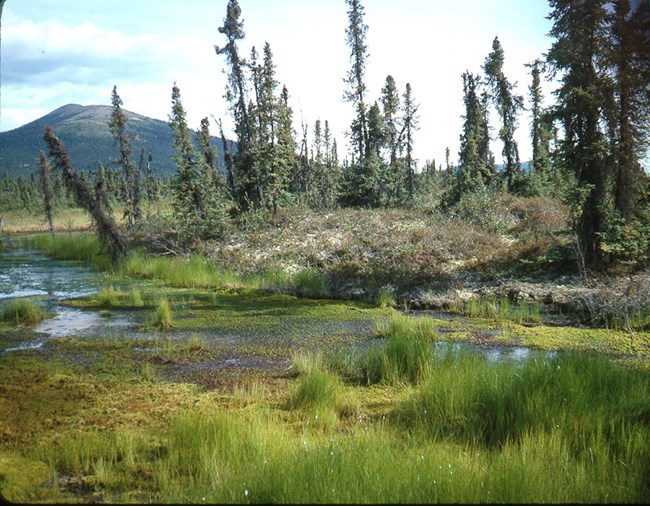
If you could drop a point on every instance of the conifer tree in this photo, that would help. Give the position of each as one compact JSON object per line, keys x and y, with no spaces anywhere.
{"x":580,"y":30}
{"x":46,"y":189}
{"x":411,"y":125}
{"x":107,"y":230}
{"x":474,"y":158}
{"x":355,"y":80}
{"x":629,"y":58}
{"x":540,"y":128}
{"x":199,"y":206}
{"x":391,"y":105}
{"x":508,"y":106}
{"x":130,"y":174}
{"x":236,"y":94}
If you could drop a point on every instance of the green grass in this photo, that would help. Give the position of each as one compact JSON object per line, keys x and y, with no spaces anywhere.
{"x":193,"y":272}
{"x":162,"y":315}
{"x":406,"y":354}
{"x":19,"y":311}
{"x":499,"y":308}
{"x":78,"y":246}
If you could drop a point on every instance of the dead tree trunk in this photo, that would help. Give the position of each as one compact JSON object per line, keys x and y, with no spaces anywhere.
{"x":109,"y":233}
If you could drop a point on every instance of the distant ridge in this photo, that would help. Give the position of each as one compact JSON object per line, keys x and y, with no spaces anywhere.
{"x":83,"y":129}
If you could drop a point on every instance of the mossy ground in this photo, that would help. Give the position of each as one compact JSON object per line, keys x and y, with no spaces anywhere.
{"x":229,"y":350}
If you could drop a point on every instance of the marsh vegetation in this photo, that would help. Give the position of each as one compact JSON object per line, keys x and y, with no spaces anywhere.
{"x":228,"y":388}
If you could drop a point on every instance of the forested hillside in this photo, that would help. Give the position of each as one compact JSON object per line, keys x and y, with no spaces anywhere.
{"x":85,"y":132}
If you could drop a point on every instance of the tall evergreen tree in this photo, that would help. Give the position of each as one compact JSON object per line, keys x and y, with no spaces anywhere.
{"x":236,"y":95}
{"x":508,"y":106}
{"x":629,"y":58}
{"x":540,"y":128}
{"x":476,"y":163}
{"x":411,"y":125}
{"x":577,"y":54}
{"x":356,"y":33}
{"x":130,"y":174}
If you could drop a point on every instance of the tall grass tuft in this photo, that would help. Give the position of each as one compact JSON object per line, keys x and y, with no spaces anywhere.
{"x":162,"y":316}
{"x":109,"y":296}
{"x":83,"y":247}
{"x":193,"y":272}
{"x":591,"y":400}
{"x":312,"y":283}
{"x":407,"y":353}
{"x":21,"y":311}
{"x":499,"y":308}
{"x":386,"y":296}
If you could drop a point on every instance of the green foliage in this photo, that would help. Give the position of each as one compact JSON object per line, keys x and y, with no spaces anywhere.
{"x":406,"y":354}
{"x":500,"y":308}
{"x":312,"y":283}
{"x":162,"y":317}
{"x":19,"y":311}
{"x":626,"y":241}
{"x":84,"y":247}
{"x":479,"y":208}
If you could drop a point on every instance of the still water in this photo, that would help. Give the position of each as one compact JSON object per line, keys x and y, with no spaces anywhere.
{"x":25,"y":273}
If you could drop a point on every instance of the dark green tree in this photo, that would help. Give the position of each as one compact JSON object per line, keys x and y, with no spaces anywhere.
{"x":410,"y":126}
{"x":130,"y":173}
{"x":508,"y":106}
{"x":577,"y":56}
{"x":476,"y":163}
{"x":239,"y":164}
{"x":540,"y":125}
{"x":46,"y":189}
{"x":356,"y":33}
{"x":629,"y":59}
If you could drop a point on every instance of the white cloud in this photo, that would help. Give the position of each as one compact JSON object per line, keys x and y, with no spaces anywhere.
{"x":48,"y":62}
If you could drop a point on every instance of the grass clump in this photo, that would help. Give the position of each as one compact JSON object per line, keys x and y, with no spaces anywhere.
{"x":407,"y":353}
{"x":84,"y":247}
{"x":20,"y":311}
{"x":386,"y":296}
{"x":499,"y":308}
{"x":311,"y":283}
{"x":162,"y":316}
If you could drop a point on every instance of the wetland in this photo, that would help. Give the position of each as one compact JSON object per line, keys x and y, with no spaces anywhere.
{"x":250,"y":393}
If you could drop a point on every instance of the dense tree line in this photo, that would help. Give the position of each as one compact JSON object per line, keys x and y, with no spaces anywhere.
{"x":587,"y":146}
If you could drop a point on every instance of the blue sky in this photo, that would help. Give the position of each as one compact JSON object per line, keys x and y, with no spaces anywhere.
{"x":56,"y":52}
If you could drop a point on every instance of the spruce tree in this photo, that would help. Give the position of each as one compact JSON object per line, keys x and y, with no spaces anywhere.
{"x":239,"y":164}
{"x":356,"y":33}
{"x":130,"y":174}
{"x":577,"y":55}
{"x":476,"y":164}
{"x":540,"y":127}
{"x":411,"y":125}
{"x":508,"y":106}
{"x":629,"y":58}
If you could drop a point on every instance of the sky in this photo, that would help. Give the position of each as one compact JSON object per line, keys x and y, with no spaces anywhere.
{"x":56,"y":52}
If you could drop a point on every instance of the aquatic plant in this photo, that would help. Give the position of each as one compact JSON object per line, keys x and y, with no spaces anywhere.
{"x":162,"y":316}
{"x":21,"y":311}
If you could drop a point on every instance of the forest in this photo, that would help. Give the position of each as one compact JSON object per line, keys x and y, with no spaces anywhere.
{"x":587,"y":147}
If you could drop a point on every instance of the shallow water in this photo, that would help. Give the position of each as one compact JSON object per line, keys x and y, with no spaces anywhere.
{"x":25,"y":273}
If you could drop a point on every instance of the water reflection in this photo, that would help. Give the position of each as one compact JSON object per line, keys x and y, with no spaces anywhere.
{"x":25,"y":273}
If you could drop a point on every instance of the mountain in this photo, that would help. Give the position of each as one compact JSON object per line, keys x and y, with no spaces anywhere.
{"x":85,"y":134}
